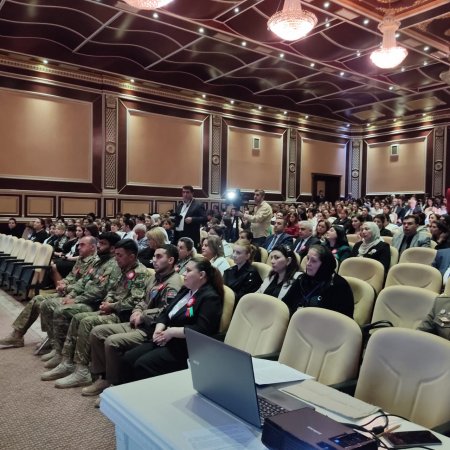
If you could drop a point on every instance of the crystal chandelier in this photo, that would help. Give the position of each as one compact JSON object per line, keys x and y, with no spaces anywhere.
{"x":147,"y":4}
{"x":292,"y":23}
{"x":389,"y":54}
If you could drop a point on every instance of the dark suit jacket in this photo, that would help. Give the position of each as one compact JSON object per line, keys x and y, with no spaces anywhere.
{"x":313,"y":240}
{"x":243,"y":281}
{"x":283,"y":238}
{"x":442,"y":260}
{"x":197,"y":212}
{"x":207,"y":312}
{"x":39,"y":236}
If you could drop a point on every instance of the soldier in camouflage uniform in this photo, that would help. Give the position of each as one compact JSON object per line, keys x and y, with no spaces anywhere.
{"x":109,"y":342}
{"x":438,"y":319}
{"x":85,"y":295}
{"x":116,"y":307}
{"x":31,"y":312}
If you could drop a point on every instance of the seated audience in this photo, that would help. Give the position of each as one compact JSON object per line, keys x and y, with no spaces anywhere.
{"x":186,"y":252}
{"x":212,"y":250}
{"x":13,"y":229}
{"x":292,"y":226}
{"x":343,"y":220}
{"x":439,"y":234}
{"x":279,"y":237}
{"x":442,"y":263}
{"x":336,"y":242}
{"x":381,"y":221}
{"x":355,"y":226}
{"x":242,"y":278}
{"x":156,"y":237}
{"x":409,"y":236}
{"x":140,"y":231}
{"x":217,"y":230}
{"x":305,"y":238}
{"x":321,"y":228}
{"x":39,"y":234}
{"x":320,"y":286}
{"x":372,"y":246}
{"x":198,"y":306}
{"x":167,"y":224}
{"x":247,"y":235}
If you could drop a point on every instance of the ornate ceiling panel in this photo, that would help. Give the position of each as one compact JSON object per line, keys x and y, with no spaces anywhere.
{"x":222,"y":48}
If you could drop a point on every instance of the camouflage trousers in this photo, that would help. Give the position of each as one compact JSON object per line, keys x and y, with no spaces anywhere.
{"x":77,"y":345}
{"x":30,"y":313}
{"x":56,"y":318}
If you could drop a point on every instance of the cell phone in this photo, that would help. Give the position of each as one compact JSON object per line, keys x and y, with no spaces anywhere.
{"x":405,"y":439}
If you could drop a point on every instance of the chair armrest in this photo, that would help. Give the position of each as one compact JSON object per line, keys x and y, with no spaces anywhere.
{"x":270,"y":356}
{"x":35,"y":267}
{"x":348,"y":386}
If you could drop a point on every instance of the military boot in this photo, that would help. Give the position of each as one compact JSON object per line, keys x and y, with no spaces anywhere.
{"x":13,"y":340}
{"x":63,"y":369}
{"x":81,"y":377}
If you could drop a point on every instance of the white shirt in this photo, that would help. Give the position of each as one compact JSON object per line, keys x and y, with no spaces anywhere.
{"x":183,"y":213}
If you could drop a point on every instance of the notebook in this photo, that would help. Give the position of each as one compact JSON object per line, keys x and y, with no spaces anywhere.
{"x":224,"y":375}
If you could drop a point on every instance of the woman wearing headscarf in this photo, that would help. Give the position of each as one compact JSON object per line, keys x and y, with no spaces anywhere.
{"x":372,"y":246}
{"x":320,"y":286}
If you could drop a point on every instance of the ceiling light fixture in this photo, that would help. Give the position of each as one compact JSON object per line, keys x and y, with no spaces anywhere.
{"x":148,"y":4}
{"x":292,"y":22}
{"x":389,"y":54}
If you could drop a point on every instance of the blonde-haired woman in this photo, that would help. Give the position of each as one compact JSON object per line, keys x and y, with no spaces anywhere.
{"x":212,"y":249}
{"x":156,"y":237}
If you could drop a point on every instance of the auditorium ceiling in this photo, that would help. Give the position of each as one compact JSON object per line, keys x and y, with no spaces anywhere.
{"x":223,"y":49}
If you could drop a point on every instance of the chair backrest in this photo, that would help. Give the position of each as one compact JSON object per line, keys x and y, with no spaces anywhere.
{"x":433,"y":244}
{"x":403,"y":306}
{"x":9,"y":244}
{"x":32,"y":250}
{"x":414,"y":274}
{"x":364,"y":298}
{"x":387,"y":239}
{"x":394,"y":256}
{"x":3,"y":240}
{"x":258,"y":325}
{"x":324,"y":344}
{"x":262,"y":268}
{"x":419,"y":255}
{"x":17,"y":247}
{"x":407,"y":372}
{"x":264,"y":254}
{"x":353,"y":238}
{"x":42,"y":258}
{"x":228,"y":307}
{"x":231,"y":262}
{"x":303,"y":264}
{"x":365,"y":269}
{"x":24,"y":245}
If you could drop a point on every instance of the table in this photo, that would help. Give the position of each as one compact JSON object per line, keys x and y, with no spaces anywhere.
{"x":166,"y":413}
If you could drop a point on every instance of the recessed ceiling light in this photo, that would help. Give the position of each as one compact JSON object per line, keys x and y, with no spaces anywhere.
{"x":426,"y":48}
{"x":403,"y":69}
{"x":326,"y":5}
{"x":236,"y":10}
{"x":201,"y":30}
{"x":232,"y":102}
{"x":348,"y":125}
{"x":155,"y":15}
{"x":397,"y":35}
{"x":132,"y":80}
{"x":342,"y":74}
{"x":327,"y":25}
{"x":260,"y":108}
{"x":425,"y":63}
{"x":358,"y":53}
{"x":204,"y":95}
{"x":366,"y":21}
{"x":244,"y":44}
{"x":284,"y":112}
{"x":306,"y":117}
{"x":368,"y":124}
{"x":45,"y":61}
{"x":281,"y":55}
{"x":312,"y":64}
{"x":395,"y":120}
{"x":424,"y":114}
{"x":391,"y":88}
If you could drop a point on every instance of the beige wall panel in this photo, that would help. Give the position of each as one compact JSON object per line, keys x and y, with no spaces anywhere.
{"x":251,"y":169}
{"x":321,"y":157}
{"x":78,"y":206}
{"x":9,"y":205}
{"x":109,"y":208}
{"x":164,"y":151}
{"x":163,"y":207}
{"x":40,"y":206}
{"x":405,"y":173}
{"x":134,"y":207}
{"x":45,"y":137}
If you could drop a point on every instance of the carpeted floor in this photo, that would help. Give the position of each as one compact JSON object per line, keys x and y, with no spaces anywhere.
{"x":34,"y":414}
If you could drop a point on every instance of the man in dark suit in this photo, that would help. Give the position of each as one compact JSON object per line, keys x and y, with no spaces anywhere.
{"x":397,"y":208}
{"x":279,"y":237}
{"x":189,"y":216}
{"x":305,"y":238}
{"x":413,"y":207}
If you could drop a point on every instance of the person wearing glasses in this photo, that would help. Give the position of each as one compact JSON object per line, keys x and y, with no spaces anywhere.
{"x":409,"y":236}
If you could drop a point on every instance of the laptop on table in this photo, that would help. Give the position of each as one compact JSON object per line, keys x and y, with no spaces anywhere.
{"x":224,"y":375}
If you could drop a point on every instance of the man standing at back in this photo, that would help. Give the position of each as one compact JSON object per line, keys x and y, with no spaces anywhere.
{"x":260,"y":219}
{"x":189,"y":216}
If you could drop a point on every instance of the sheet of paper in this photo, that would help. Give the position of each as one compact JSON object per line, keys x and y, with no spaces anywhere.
{"x":272,"y":372}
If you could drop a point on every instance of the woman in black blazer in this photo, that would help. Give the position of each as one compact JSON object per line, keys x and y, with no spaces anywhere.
{"x":372,"y":246}
{"x":198,"y":305}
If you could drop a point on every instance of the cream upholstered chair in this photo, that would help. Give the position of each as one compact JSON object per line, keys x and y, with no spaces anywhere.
{"x":364,"y":298}
{"x":324,"y":344}
{"x":227,"y":311}
{"x":303,"y":264}
{"x":433,"y":244}
{"x":419,"y":255}
{"x":262,"y":268}
{"x":353,"y":238}
{"x":365,"y":269}
{"x":403,"y":306}
{"x":387,"y":239}
{"x":416,"y":275}
{"x":407,"y":372}
{"x":258,"y":325}
{"x":394,"y":256}
{"x":264,"y":254}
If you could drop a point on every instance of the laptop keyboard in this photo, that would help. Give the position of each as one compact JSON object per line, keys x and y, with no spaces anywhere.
{"x":268,"y":409}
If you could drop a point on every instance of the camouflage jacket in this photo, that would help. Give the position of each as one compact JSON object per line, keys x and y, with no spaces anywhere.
{"x":92,"y":287}
{"x":80,"y":268}
{"x":128,"y":291}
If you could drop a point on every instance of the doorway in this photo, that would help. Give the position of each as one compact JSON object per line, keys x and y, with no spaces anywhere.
{"x":326,"y":187}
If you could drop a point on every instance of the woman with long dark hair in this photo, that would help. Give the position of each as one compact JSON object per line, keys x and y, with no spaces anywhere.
{"x":198,"y":305}
{"x":336,"y":241}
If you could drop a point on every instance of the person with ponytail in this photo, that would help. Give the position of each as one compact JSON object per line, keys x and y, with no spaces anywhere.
{"x":198,"y":305}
